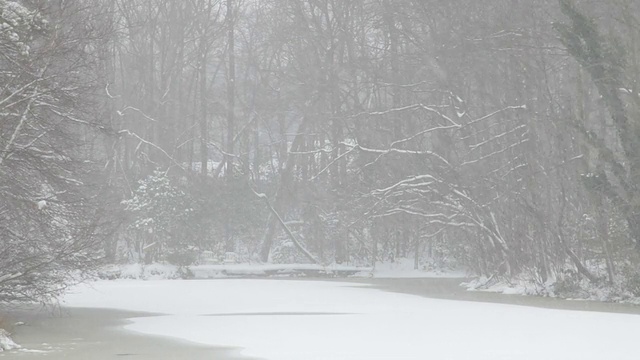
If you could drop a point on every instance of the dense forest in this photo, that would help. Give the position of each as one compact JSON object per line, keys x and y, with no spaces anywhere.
{"x":502,"y":136}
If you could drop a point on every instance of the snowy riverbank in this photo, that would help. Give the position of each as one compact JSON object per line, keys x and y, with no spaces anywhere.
{"x":294,"y":319}
{"x":402,"y":268}
{"x":96,"y":334}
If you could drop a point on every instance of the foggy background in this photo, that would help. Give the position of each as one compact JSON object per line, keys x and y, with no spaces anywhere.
{"x":498,"y":136}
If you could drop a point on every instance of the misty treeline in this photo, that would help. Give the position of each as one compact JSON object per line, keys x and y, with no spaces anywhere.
{"x":498,"y":135}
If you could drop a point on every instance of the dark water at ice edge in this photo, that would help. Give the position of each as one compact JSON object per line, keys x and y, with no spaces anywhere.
{"x":98,"y":334}
{"x":450,"y":289}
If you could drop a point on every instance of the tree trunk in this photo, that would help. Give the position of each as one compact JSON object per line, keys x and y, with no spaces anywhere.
{"x":231,"y":100}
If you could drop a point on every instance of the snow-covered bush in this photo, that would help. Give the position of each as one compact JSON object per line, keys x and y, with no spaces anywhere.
{"x":568,"y":285}
{"x":160,"y":218}
{"x":181,"y":257}
{"x":631,"y":280}
{"x":5,"y":341}
{"x":285,"y":252}
{"x":18,"y":24}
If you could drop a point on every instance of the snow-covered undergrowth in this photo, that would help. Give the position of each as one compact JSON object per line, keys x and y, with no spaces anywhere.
{"x":567,"y":287}
{"x":5,"y":341}
{"x":168,"y":271}
{"x":317,"y":320}
{"x":402,"y":268}
{"x":510,"y":287}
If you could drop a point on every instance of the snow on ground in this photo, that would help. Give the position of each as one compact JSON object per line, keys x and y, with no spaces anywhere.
{"x":316,"y":320}
{"x":402,"y":268}
{"x":580,"y":290}
{"x":5,"y":341}
{"x":166,"y":271}
{"x":517,"y":287}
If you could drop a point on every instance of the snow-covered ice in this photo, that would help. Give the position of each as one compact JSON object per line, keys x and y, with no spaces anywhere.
{"x":314,"y":320}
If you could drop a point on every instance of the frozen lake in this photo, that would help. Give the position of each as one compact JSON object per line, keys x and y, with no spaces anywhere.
{"x":331,"y":320}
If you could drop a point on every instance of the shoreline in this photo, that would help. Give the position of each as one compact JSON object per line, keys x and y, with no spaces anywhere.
{"x":97,"y":334}
{"x":100,"y":334}
{"x":450,"y":289}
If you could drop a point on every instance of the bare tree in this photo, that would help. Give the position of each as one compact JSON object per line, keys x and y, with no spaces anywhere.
{"x":52,"y":214}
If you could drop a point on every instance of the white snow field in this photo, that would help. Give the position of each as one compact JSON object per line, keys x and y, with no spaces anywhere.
{"x":323,"y":320}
